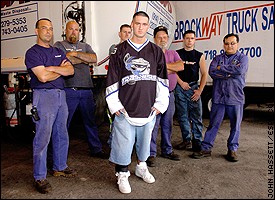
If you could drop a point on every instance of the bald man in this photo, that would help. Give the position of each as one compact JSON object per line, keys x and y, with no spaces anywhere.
{"x":78,"y":87}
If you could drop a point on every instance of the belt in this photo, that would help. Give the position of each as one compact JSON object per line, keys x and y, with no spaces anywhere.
{"x":171,"y":91}
{"x":193,"y":83}
{"x":80,"y":88}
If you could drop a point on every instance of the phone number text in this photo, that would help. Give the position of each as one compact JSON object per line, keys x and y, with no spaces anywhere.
{"x":16,"y":25}
{"x":13,"y":22}
{"x":249,"y":51}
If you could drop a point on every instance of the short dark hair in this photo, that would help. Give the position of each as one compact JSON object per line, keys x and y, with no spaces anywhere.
{"x":230,"y":35}
{"x":37,"y":22}
{"x":141,"y":13}
{"x":124,"y":26}
{"x":188,"y":32}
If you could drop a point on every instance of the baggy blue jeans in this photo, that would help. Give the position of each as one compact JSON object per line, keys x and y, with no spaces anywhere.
{"x":53,"y":112}
{"x":235,"y":114}
{"x":125,"y":136}
{"x":189,"y":114}
{"x":85,"y":101}
{"x":165,"y":121}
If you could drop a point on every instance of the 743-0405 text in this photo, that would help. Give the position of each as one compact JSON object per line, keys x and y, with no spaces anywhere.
{"x":15,"y":29}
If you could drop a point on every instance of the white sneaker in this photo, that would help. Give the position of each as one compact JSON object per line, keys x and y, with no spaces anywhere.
{"x":123,"y":183}
{"x":143,"y":172}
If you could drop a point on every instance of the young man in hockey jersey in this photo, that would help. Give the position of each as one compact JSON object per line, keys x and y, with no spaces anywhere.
{"x":137,"y":90}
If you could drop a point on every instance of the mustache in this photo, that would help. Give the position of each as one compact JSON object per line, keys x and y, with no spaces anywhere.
{"x":163,"y":45}
{"x":73,"y":38}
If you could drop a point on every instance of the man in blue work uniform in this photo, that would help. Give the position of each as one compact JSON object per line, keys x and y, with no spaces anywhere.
{"x":47,"y":67}
{"x":228,"y":71}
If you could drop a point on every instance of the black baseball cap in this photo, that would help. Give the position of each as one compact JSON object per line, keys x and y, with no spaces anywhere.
{"x":160,"y":28}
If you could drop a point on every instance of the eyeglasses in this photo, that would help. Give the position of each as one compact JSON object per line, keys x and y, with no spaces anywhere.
{"x":232,"y":43}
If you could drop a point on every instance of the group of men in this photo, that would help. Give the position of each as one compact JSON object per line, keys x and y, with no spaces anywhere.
{"x":145,"y":83}
{"x":61,"y":84}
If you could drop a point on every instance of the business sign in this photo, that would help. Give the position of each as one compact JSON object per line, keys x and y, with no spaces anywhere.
{"x":253,"y":21}
{"x":18,"y":21}
{"x":161,"y":13}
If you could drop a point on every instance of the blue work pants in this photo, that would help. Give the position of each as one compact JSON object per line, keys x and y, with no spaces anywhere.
{"x":165,"y":121}
{"x":53,"y":112}
{"x":235,"y":114}
{"x":85,"y":101}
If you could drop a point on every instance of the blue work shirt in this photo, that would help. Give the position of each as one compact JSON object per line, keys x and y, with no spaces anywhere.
{"x":41,"y":56}
{"x":229,"y":79}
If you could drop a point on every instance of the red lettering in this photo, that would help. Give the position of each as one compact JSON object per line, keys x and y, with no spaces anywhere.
{"x":205,"y":26}
{"x":9,"y":3}
{"x":168,"y":4}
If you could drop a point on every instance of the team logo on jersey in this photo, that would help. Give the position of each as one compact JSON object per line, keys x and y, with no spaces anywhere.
{"x":140,"y":69}
{"x":136,"y":66}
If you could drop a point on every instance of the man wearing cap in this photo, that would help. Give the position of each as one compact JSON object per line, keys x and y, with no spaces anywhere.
{"x":165,"y":120}
{"x":188,"y":92}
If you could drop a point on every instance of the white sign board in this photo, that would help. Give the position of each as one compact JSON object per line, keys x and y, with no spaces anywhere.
{"x":253,"y":21}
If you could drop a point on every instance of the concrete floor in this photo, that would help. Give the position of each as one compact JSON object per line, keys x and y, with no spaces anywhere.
{"x":208,"y":178}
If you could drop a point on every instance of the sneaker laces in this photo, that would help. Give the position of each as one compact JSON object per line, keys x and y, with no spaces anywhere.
{"x":146,"y":175}
{"x":122,"y":177}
